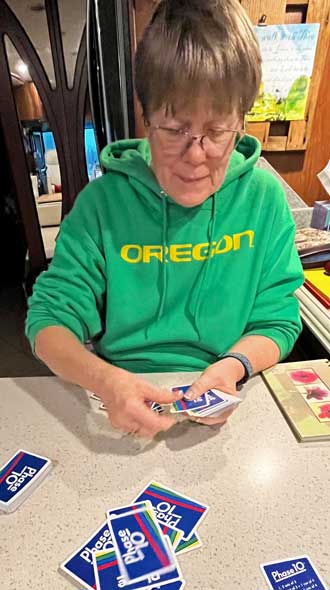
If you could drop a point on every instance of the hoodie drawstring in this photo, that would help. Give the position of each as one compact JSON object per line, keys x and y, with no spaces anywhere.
{"x":164,"y":265}
{"x":203,"y":275}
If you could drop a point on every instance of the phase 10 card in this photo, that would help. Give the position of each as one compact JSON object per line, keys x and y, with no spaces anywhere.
{"x":173,"y":509}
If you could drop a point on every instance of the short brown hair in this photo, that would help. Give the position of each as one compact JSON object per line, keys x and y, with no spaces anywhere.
{"x":198,"y":47}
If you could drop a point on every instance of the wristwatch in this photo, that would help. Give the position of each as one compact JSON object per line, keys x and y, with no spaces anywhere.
{"x":245,"y":362}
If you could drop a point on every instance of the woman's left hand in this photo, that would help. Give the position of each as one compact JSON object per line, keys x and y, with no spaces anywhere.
{"x":223,"y":375}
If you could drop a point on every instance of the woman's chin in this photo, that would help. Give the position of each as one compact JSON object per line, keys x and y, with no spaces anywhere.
{"x":189,"y":198}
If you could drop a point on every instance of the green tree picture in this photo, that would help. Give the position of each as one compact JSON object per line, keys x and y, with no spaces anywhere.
{"x":269,"y":107}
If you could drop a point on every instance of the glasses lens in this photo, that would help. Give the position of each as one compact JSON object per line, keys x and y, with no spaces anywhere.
{"x":171,"y":137}
{"x":214,"y":143}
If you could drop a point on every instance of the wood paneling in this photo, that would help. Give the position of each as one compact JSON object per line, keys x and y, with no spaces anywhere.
{"x":300,"y":168}
{"x":273,"y":9}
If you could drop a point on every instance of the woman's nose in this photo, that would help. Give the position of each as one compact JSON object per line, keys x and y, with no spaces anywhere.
{"x":194,"y":152}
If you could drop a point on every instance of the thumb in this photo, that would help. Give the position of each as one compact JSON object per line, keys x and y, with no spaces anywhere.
{"x":164,"y":396}
{"x":200,"y":386}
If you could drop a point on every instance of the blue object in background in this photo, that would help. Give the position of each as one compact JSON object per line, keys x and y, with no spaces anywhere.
{"x":49,"y":141}
{"x":92,"y":159}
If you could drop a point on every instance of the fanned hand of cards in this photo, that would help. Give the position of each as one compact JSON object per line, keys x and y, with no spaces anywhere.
{"x":137,"y":546}
{"x":212,"y":403}
{"x":19,"y":477}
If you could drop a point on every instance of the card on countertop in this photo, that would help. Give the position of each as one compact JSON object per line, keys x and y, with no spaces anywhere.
{"x":300,"y":573}
{"x":20,"y":476}
{"x":108,"y":576}
{"x":173,"y":509}
{"x":140,"y":546}
{"x":194,"y":542}
{"x":174,"y":536}
{"x":80,"y":564}
{"x":128,"y":508}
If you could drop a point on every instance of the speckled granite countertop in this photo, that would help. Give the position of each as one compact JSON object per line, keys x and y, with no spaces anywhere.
{"x":268,"y":495}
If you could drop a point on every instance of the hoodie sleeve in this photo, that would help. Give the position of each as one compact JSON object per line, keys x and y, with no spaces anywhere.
{"x":70,"y":293}
{"x":275,"y":313}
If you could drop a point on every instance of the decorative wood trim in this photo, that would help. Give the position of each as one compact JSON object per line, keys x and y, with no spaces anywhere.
{"x":19,"y":169}
{"x":64,"y":110}
{"x":259,"y":130}
{"x":297,"y":136}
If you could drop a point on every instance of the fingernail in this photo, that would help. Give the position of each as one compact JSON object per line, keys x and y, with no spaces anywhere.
{"x":188,"y":395}
{"x":177,"y":393}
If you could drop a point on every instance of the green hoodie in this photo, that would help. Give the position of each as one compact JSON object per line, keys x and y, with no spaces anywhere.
{"x":160,"y":287}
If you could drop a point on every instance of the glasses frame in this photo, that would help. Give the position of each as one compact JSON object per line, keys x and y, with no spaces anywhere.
{"x":200,"y":137}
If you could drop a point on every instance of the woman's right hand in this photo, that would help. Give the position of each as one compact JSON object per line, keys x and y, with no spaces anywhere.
{"x":126,"y":398}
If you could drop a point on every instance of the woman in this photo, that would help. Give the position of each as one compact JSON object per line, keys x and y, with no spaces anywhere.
{"x":181,"y":257}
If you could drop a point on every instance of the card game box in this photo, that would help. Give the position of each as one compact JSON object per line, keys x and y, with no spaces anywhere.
{"x":302,"y":392}
{"x":20,"y":476}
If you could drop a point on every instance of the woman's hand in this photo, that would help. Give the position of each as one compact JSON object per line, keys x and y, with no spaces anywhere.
{"x":126,"y":398}
{"x":223,"y":375}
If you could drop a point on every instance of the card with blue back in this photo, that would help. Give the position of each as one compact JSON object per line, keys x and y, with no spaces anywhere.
{"x":108,"y":576}
{"x":184,"y":405}
{"x":139,"y":544}
{"x":19,"y":476}
{"x":173,"y":509}
{"x":80,"y":564}
{"x":297,"y":573}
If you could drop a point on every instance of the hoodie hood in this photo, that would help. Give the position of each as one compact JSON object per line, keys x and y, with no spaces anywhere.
{"x":132,"y":158}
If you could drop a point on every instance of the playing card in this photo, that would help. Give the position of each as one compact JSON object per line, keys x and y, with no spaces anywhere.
{"x":183,"y":405}
{"x":140,"y":546}
{"x":156,"y":407}
{"x":19,"y":476}
{"x":146,"y":504}
{"x":194,"y":542}
{"x":173,"y":535}
{"x":174,"y":510}
{"x":108,"y":576}
{"x":218,"y":402}
{"x":80,"y":564}
{"x":299,"y":572}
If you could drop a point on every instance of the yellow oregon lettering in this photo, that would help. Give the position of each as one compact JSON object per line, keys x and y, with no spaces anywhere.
{"x":237,"y":239}
{"x":134,"y":253}
{"x":228,"y":245}
{"x":180,"y":252}
{"x":201,"y":251}
{"x":128,"y":248}
{"x":152,"y":252}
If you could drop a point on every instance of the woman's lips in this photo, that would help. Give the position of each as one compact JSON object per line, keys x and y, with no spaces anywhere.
{"x":192,"y":180}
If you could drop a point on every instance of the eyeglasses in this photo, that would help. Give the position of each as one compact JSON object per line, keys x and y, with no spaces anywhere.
{"x":214,"y":142}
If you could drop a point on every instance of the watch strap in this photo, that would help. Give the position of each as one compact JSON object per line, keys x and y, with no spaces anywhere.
{"x":245,"y":362}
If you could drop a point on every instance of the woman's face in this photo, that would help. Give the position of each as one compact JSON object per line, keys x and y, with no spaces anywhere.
{"x":186,"y":170}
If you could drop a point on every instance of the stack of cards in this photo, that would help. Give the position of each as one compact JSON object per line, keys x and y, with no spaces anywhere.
{"x":212,"y":403}
{"x":138,"y":546}
{"x":155,"y":407}
{"x":19,"y":477}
